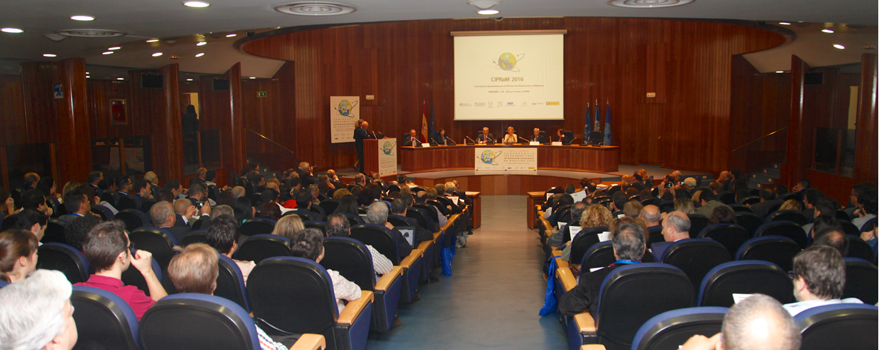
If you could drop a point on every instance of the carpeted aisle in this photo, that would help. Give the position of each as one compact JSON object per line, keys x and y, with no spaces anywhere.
{"x":493,"y":297}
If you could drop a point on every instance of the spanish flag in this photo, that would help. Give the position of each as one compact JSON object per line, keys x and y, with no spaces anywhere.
{"x":424,"y":137}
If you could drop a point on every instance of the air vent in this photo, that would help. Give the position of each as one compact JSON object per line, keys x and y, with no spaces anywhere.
{"x":648,"y":4}
{"x":91,"y":33}
{"x":315,"y":8}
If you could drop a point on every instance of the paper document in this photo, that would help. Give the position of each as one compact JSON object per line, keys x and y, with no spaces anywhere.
{"x":573,"y":231}
{"x":604,"y":236}
{"x":579,"y":196}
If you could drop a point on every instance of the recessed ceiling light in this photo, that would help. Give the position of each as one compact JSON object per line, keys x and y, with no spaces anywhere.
{"x":87,"y":73}
{"x":114,"y":48}
{"x":230,"y":35}
{"x":838,"y":46}
{"x":120,"y":78}
{"x":87,"y":77}
{"x":784,"y":23}
{"x":488,"y":12}
{"x":253,"y":77}
{"x":316,"y":8}
{"x":82,"y":18}
{"x":196,"y":4}
{"x":152,"y":40}
{"x":829,"y":31}
{"x":201,"y":43}
{"x":49,"y":55}
{"x":157,"y":54}
{"x":108,"y":52}
{"x":200,"y":54}
{"x":780,"y":72}
{"x":647,"y":4}
{"x":189,"y":79}
{"x":11,"y":30}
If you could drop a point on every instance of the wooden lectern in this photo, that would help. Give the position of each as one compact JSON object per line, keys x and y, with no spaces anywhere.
{"x":371,"y":155}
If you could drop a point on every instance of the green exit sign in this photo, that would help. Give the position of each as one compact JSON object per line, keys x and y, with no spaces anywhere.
{"x":261,"y":94}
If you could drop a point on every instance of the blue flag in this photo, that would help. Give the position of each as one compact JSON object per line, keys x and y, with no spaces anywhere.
{"x":431,"y":125}
{"x":587,"y":125}
{"x":607,"y":124}
{"x":598,"y":123}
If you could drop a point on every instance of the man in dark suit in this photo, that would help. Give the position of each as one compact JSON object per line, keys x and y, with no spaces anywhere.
{"x":163,"y":216}
{"x":628,"y":243}
{"x":675,"y":228}
{"x":77,"y":205}
{"x":142,"y":192}
{"x":94,"y":178}
{"x":538,"y":137}
{"x":768,"y":201}
{"x":361,"y":133}
{"x":442,"y":139}
{"x":486,"y":138}
{"x":411,"y":139}
{"x":377,"y":214}
{"x":306,"y":174}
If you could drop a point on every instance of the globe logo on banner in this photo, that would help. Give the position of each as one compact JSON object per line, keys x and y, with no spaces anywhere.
{"x":386,"y":148}
{"x":345,"y":108}
{"x":488,"y":157}
{"x":507,"y":61}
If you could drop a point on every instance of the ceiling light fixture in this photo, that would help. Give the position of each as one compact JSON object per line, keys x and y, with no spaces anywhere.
{"x":189,"y":79}
{"x":88,"y":77}
{"x":839,"y":47}
{"x":648,"y":4}
{"x":780,"y":72}
{"x":784,"y":23}
{"x":253,"y":77}
{"x":829,"y":31}
{"x":315,"y":8}
{"x":82,"y":18}
{"x":11,"y":30}
{"x":200,"y":54}
{"x":488,"y":12}
{"x":201,"y":43}
{"x":484,"y":4}
{"x":196,"y":4}
{"x":114,"y":48}
{"x":152,"y":40}
{"x":157,"y":54}
{"x":120,"y":78}
{"x":49,"y":55}
{"x":230,"y":35}
{"x":107,"y":53}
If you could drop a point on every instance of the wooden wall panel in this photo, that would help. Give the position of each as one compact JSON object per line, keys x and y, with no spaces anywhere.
{"x":687,"y":63}
{"x":99,"y":94}
{"x":866,"y":129}
{"x":12,"y":111}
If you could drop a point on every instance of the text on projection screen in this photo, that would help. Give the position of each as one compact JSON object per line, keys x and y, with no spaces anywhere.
{"x":509,"y":77}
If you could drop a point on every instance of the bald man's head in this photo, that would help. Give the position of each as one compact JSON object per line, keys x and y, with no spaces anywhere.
{"x":651,"y":214}
{"x":759,"y":323}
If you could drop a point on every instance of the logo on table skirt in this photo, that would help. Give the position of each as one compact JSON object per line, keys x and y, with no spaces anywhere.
{"x":488,"y":157}
{"x":386,"y":148}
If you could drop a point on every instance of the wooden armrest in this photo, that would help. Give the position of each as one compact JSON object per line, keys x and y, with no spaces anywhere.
{"x":411,"y":258}
{"x":562,"y":264}
{"x":584,"y":321}
{"x":385,"y":282}
{"x":593,"y":347}
{"x":438,"y":234}
{"x":354,"y":308}
{"x":556,"y":252}
{"x":309,"y":341}
{"x":424,"y":245}
{"x":566,"y":277}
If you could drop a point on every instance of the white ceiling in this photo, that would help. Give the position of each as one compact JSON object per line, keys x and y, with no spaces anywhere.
{"x":181,"y":27}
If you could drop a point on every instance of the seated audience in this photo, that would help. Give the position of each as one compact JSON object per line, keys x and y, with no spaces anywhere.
{"x":768,"y":201}
{"x":708,"y":203}
{"x":30,"y":220}
{"x":162,"y":215}
{"x":819,"y":275}
{"x":758,"y":322}
{"x":632,"y":208}
{"x":377,"y":214}
{"x":109,"y":252}
{"x":36,"y":313}
{"x":309,"y":244}
{"x":77,"y":230}
{"x":867,"y":207}
{"x":34,"y":199}
{"x":683,"y":202}
{"x":834,"y":238}
{"x":675,"y":228}
{"x":243,"y":209}
{"x":223,"y":234}
{"x":628,"y":242}
{"x":18,"y":255}
{"x":347,"y":205}
{"x":791,"y":204}
{"x":76,"y":204}
{"x":399,"y":207}
{"x":270,"y":210}
{"x":593,"y":216}
{"x":338,"y":226}
{"x":722,"y":214}
{"x":288,"y":226}
{"x":824,"y":207}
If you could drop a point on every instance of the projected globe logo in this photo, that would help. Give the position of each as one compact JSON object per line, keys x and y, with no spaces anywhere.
{"x":507,"y":61}
{"x":386,"y":148}
{"x":345,"y":108}
{"x":488,"y":157}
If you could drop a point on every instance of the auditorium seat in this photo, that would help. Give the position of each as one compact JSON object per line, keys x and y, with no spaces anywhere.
{"x":599,"y":255}
{"x":103,"y":320}
{"x":304,"y":215}
{"x":258,"y":226}
{"x":698,"y":223}
{"x":420,"y":218}
{"x":318,"y":212}
{"x":869,"y":225}
{"x":64,"y":258}
{"x":775,"y":249}
{"x":655,"y":235}
{"x":353,"y":219}
{"x":670,"y":329}
{"x":739,"y":208}
{"x":263,"y":246}
{"x":842,"y":215}
{"x":103,"y":212}
{"x":382,"y":239}
{"x":126,"y":202}
{"x":230,"y":283}
{"x":731,"y":236}
{"x":861,"y":280}
{"x":838,"y":326}
{"x":696,"y":257}
{"x":400,"y":220}
{"x":319,"y":225}
{"x":744,"y":277}
{"x":194,"y":237}
{"x":329,"y":205}
{"x":295,"y":295}
{"x":727,"y":197}
{"x":787,"y":215}
{"x":582,"y":242}
{"x":133,"y":219}
{"x":133,"y":277}
{"x":785,"y":229}
{"x":352,"y":260}
{"x":54,"y":232}
{"x":859,"y":249}
{"x":107,"y":196}
{"x":158,"y":241}
{"x":749,"y":221}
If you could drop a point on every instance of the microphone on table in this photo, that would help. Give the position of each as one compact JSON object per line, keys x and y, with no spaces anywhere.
{"x":519,"y":138}
{"x":472,"y":140}
{"x":450,"y":140}
{"x":572,"y":140}
{"x":433,"y":142}
{"x":374,"y":134}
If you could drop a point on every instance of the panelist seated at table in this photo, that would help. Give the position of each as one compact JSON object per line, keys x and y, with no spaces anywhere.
{"x":510,"y":137}
{"x":409,"y":139}
{"x":562,"y":136}
{"x":485,"y":137}
{"x":442,"y":139}
{"x":539,"y":136}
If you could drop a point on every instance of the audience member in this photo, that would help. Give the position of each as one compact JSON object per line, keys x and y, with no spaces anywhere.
{"x":222,"y":210}
{"x":708,"y":203}
{"x":823,"y":207}
{"x":36,"y":313}
{"x":867,"y":207}
{"x":243,"y":209}
{"x":288,"y":226}
{"x":593,"y":216}
{"x":819,"y":274}
{"x":834,"y":238}
{"x":811,"y":197}
{"x":347,"y":205}
{"x":632,"y":208}
{"x":675,"y":228}
{"x":223,"y":234}
{"x":683,"y":202}
{"x":93,"y":179}
{"x":791,"y":204}
{"x":76,"y":204}
{"x":30,"y":220}
{"x":377,"y":214}
{"x":420,"y":234}
{"x":163,"y":216}
{"x":758,"y":322}
{"x":76,"y":231}
{"x":34,"y":199}
{"x":309,"y":244}
{"x":109,"y":252}
{"x":722,"y":214}
{"x":338,"y":226}
{"x":18,"y":255}
{"x":768,"y":201}
{"x":270,"y":210}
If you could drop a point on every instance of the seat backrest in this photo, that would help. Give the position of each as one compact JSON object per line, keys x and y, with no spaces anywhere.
{"x":657,"y":287}
{"x":583,"y":241}
{"x":839,"y":326}
{"x":861,"y":280}
{"x":419,"y":217}
{"x":293,"y":296}
{"x":787,"y":215}
{"x":103,"y":212}
{"x":257,"y":226}
{"x":427,"y":210}
{"x":727,"y":197}
{"x":319,"y":225}
{"x":744,"y":277}
{"x":858,"y":248}
{"x":670,"y":329}
{"x":194,"y":237}
{"x":263,"y":246}
{"x":698,"y":223}
{"x":696,"y":257}
{"x":750,"y":200}
{"x":869,"y":225}
{"x":197,"y":321}
{"x":749,"y":221}
{"x":64,"y":258}
{"x":731,"y":236}
{"x":785,"y":229}
{"x":103,"y":320}
{"x":599,"y":255}
{"x":304,"y":215}
{"x":849,"y":229}
{"x":400,"y":220}
{"x":379,"y":237}
{"x":158,"y":241}
{"x":353,"y":219}
{"x":564,"y":214}
{"x":775,"y":249}
{"x":842,"y":215}
{"x":655,"y":235}
{"x":739,"y":208}
{"x":133,"y":277}
{"x":133,"y":219}
{"x":329,"y":205}
{"x":351,"y":259}
{"x":108,"y":197}
{"x":55,"y":231}
{"x":126,"y":202}
{"x":230,"y":283}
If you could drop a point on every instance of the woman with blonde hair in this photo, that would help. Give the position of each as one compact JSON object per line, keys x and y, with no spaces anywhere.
{"x":791,"y":204}
{"x":288,"y":226}
{"x":632,"y":208}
